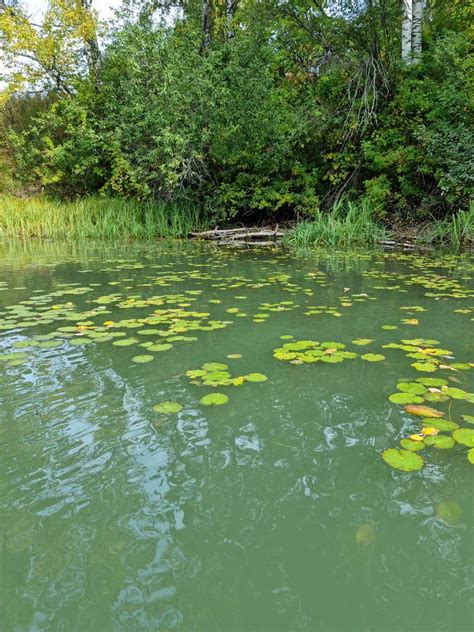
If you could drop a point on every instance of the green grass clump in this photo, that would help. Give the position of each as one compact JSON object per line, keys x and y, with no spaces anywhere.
{"x":456,"y":231}
{"x":347,"y":224}
{"x":97,"y":218}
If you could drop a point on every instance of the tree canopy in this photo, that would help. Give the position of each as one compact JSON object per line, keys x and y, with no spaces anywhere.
{"x":249,"y":107}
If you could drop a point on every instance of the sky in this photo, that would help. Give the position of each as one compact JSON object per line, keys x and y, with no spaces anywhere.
{"x":104,"y":7}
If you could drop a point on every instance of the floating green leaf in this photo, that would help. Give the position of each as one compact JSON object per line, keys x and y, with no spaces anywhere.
{"x":405,"y":398}
{"x":255,"y":377}
{"x":443,"y":424}
{"x":373,"y":357}
{"x":142,"y":359}
{"x":411,"y":387}
{"x":412,"y":446}
{"x":440,"y":441}
{"x":168,"y":408}
{"x":214,"y":399}
{"x":404,"y":460}
{"x":214,"y":366}
{"x":464,"y":436}
{"x":427,"y":367}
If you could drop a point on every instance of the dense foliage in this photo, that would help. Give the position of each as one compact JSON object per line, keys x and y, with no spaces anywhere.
{"x":249,"y":108}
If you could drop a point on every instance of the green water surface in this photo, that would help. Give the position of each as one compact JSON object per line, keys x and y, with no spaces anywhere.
{"x":273,"y":511}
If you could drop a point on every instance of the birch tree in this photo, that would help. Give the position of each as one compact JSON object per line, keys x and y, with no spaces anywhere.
{"x":411,"y":30}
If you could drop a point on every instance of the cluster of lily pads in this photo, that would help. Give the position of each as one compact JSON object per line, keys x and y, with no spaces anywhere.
{"x":217,"y":374}
{"x":436,"y":430}
{"x":212,"y":374}
{"x":427,"y":355}
{"x":309,"y":351}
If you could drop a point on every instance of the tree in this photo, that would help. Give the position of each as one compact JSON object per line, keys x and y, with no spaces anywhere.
{"x":51,"y":55}
{"x":411,"y":30}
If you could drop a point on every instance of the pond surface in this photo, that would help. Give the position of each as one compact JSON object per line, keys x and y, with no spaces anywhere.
{"x":271,"y":511}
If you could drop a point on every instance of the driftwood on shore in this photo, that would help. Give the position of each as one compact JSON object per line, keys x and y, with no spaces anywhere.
{"x":258,"y":235}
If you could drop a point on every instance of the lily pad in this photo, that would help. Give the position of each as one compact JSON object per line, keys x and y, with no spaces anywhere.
{"x":405,"y":398}
{"x":444,"y":425}
{"x":373,"y":357}
{"x":403,"y":460}
{"x":470,"y":455}
{"x":168,"y":408}
{"x":427,"y":367}
{"x":214,"y":366}
{"x":255,"y":377}
{"x":142,"y":359}
{"x":464,"y":436}
{"x":160,"y":347}
{"x":440,"y":441}
{"x":214,"y":399}
{"x":431,"y":381}
{"x":413,"y":446}
{"x":411,"y":387}
{"x":423,"y":411}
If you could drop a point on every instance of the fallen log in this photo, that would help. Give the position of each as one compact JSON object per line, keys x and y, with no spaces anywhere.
{"x":245,"y":234}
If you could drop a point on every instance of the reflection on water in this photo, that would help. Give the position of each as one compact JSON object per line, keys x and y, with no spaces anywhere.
{"x":272,"y":512}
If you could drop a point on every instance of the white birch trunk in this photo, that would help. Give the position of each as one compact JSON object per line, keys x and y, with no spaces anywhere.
{"x":416,"y":30}
{"x":407,"y":29}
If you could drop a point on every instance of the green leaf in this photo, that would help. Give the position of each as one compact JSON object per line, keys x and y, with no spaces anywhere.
{"x":413,"y":446}
{"x":141,"y":359}
{"x":465,"y":436}
{"x":160,"y":347}
{"x":431,"y":381}
{"x":167,"y":408}
{"x":214,"y":399}
{"x":373,"y":357}
{"x":256,"y":377}
{"x":405,"y":398}
{"x":470,"y":455}
{"x":440,"y":441}
{"x":214,"y":366}
{"x":411,"y":387}
{"x":427,"y":367}
{"x":403,"y":460}
{"x":443,"y":424}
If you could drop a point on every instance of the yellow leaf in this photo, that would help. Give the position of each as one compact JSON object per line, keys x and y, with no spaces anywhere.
{"x":429,"y":431}
{"x":416,"y":437}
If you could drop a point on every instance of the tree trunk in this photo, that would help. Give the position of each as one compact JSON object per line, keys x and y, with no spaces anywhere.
{"x":206,"y":25}
{"x":231,"y":7}
{"x":416,"y":30}
{"x":92,"y":45}
{"x":407,"y":30}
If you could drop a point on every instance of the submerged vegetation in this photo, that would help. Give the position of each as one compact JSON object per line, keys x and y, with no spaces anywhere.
{"x":249,"y":111}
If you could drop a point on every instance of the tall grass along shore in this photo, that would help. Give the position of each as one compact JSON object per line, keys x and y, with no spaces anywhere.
{"x":97,"y":218}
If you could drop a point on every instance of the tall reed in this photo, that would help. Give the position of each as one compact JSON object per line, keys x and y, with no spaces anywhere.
{"x":347,"y":224}
{"x":456,"y":231}
{"x":98,"y":218}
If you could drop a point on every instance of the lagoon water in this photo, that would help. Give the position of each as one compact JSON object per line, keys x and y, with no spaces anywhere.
{"x":273,"y":511}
